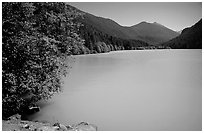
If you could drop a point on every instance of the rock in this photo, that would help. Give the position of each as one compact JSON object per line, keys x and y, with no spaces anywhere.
{"x":22,"y":122}
{"x":83,"y":123}
{"x":56,"y":124}
{"x":84,"y":126}
{"x":69,"y":127}
{"x":26,"y":126}
{"x":45,"y":128}
{"x":15,"y":118}
{"x":89,"y":127}
{"x":61,"y":127}
{"x":16,"y":124}
{"x":56,"y":128}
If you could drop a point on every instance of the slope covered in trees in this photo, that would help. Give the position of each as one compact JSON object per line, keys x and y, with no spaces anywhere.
{"x":154,"y":33}
{"x":151,"y":33}
{"x":97,"y":41}
{"x":190,"y":38}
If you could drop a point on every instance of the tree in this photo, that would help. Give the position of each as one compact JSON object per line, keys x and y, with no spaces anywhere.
{"x":36,"y":42}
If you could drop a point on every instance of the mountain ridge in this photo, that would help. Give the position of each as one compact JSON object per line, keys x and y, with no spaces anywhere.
{"x":112,"y":28}
{"x":190,"y":38}
{"x":152,"y":33}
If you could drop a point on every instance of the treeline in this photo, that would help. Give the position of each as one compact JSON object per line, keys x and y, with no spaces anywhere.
{"x":99,"y":42}
{"x":37,"y":39}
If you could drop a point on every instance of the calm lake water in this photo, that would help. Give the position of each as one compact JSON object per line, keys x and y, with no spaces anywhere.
{"x":131,"y":90}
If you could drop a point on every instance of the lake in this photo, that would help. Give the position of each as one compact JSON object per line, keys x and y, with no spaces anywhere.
{"x":131,"y":90}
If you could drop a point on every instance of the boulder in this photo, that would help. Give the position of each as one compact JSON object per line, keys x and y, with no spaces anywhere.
{"x":15,"y":118}
{"x":26,"y":126}
{"x":84,"y":126}
{"x":69,"y":127}
{"x":46,"y":128}
{"x":60,"y":126}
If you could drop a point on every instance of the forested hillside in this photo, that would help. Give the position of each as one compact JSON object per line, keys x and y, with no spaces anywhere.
{"x":97,"y":41}
{"x":190,"y":38}
{"x":154,"y":33}
{"x":151,"y":33}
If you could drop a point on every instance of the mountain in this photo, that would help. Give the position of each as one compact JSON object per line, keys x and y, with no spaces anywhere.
{"x":190,"y":38}
{"x":107,"y":26}
{"x":97,"y":41}
{"x":152,"y":33}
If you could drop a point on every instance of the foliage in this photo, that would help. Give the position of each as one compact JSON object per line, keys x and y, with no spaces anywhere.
{"x":190,"y":38}
{"x":37,"y":40}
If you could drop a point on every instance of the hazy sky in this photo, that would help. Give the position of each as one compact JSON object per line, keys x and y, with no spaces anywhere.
{"x":175,"y":16}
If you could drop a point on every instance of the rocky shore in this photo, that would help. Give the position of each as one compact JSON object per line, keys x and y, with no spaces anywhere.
{"x":15,"y":123}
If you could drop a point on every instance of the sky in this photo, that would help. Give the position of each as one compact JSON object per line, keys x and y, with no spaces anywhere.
{"x":174,"y":15}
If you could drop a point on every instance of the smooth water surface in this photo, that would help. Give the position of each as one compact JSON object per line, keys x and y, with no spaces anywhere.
{"x":131,"y":90}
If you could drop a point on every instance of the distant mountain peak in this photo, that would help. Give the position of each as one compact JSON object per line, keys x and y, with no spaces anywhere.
{"x":144,"y":22}
{"x":158,"y":24}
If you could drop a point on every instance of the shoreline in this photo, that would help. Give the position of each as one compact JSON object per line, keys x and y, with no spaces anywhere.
{"x":15,"y":123}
